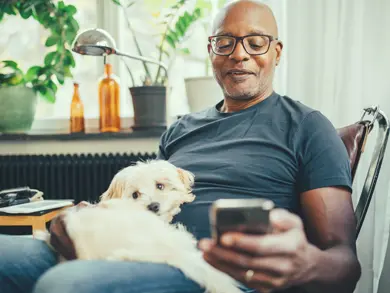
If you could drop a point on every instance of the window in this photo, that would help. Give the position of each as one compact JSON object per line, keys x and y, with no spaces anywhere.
{"x":23,"y":41}
{"x":143,"y":16}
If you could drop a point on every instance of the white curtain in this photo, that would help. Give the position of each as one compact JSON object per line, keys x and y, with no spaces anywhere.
{"x":336,"y":59}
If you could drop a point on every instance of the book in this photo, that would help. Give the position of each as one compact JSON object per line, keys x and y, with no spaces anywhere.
{"x":37,"y":206}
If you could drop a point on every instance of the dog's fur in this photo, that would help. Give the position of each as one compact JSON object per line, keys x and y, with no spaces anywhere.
{"x":121,"y":227}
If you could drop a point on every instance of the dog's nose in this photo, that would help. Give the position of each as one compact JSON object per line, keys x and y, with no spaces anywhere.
{"x":154,"y":207}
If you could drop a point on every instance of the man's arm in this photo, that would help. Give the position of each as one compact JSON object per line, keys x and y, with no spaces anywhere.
{"x":330,"y":225}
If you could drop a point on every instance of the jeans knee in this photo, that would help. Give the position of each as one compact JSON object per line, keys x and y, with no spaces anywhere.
{"x":67,"y":277}
{"x":22,"y":262}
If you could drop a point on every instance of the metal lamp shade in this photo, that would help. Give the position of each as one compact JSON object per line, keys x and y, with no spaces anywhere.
{"x":94,"y":42}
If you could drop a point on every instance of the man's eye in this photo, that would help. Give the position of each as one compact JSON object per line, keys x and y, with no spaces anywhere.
{"x":160,"y":186}
{"x":256,"y":46}
{"x":135,"y":194}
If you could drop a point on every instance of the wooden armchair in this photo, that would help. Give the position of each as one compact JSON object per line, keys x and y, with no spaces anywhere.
{"x":355,"y":137}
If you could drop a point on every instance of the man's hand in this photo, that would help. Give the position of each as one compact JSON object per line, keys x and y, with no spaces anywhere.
{"x":265,"y":262}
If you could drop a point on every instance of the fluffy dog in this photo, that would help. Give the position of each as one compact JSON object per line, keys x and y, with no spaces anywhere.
{"x":156,"y":184}
{"x":132,"y":223}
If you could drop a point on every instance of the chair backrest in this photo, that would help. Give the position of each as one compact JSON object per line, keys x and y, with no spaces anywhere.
{"x":355,"y":137}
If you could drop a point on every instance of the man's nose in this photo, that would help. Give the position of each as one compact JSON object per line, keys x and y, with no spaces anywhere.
{"x":154,"y":207}
{"x":239,"y":53}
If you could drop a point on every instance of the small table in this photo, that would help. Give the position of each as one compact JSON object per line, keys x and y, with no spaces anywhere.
{"x":36,"y":220}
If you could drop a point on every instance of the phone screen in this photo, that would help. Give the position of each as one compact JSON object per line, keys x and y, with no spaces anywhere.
{"x":249,"y":220}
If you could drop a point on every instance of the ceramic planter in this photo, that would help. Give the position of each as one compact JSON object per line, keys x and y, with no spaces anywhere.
{"x":17,"y":109}
{"x":149,"y":104}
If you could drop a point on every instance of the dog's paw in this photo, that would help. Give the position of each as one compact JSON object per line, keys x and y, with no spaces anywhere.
{"x":43,"y":235}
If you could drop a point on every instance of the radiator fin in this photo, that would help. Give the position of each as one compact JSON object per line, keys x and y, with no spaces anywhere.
{"x":78,"y":177}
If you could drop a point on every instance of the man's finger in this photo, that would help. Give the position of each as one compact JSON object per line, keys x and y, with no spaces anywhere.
{"x":265,"y":245}
{"x":274,"y":265}
{"x":260,"y":281}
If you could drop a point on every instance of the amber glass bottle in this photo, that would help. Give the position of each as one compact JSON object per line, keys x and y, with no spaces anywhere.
{"x":109,"y":101}
{"x":77,"y":123}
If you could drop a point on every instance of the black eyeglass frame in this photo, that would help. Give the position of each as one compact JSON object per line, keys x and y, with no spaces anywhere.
{"x":241,"y":39}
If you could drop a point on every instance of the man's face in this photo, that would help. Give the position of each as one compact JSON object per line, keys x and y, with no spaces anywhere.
{"x":240,"y":75}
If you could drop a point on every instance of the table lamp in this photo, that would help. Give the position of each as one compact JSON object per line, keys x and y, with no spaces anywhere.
{"x":150,"y":103}
{"x":98,"y":42}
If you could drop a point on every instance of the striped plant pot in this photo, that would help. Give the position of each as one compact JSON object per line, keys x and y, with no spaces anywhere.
{"x":17,"y":109}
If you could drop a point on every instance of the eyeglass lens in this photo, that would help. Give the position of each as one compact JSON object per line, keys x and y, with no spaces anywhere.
{"x":255,"y":45}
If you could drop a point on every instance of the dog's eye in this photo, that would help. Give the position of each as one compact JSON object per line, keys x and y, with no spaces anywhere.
{"x":160,"y":186}
{"x":135,"y":194}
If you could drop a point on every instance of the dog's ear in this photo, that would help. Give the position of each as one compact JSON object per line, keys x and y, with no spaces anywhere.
{"x":186,"y":177}
{"x":189,"y":197}
{"x":106,"y":195}
{"x":115,"y":190}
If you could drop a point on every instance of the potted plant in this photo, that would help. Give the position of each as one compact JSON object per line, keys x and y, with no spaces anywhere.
{"x":19,"y":89}
{"x":149,"y":99}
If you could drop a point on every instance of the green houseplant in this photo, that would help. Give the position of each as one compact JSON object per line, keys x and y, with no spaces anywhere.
{"x":19,"y":89}
{"x":149,"y":99}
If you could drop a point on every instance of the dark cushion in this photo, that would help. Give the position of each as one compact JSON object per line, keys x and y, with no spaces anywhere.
{"x":354,"y":137}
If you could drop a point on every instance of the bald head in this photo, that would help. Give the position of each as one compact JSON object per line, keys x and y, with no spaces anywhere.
{"x":246,"y":11}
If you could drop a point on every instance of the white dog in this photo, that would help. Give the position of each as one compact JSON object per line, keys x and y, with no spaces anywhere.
{"x":132,"y":223}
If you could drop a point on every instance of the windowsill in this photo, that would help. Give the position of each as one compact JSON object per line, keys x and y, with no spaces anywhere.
{"x":153,"y":132}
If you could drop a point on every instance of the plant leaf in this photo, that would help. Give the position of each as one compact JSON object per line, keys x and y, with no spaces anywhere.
{"x":9,"y":9}
{"x":174,"y":36}
{"x":71,"y":10}
{"x":180,"y":27}
{"x":69,"y":60}
{"x":117,"y":2}
{"x":52,"y":40}
{"x":74,"y":24}
{"x":60,"y":76}
{"x":25,"y":13}
{"x":197,"y":13}
{"x":70,"y":36}
{"x":52,"y":86}
{"x":10,"y":64}
{"x":170,"y":41}
{"x":49,"y":95}
{"x":61,"y":5}
{"x":49,"y":58}
{"x":67,"y":72}
{"x":32,"y":73}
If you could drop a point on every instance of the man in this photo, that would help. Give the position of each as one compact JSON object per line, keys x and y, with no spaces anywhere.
{"x":255,"y":143}
{"x":259,"y":144}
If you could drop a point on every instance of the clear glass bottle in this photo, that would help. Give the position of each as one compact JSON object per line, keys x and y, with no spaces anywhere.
{"x":109,"y":101}
{"x":77,"y":123}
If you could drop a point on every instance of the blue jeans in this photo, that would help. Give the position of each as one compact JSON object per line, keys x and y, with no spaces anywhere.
{"x":28,"y":265}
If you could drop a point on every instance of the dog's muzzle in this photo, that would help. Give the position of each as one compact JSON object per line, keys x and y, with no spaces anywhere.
{"x":154,"y":207}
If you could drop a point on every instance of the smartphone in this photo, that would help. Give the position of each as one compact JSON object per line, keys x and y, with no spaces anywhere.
{"x":250,"y":216}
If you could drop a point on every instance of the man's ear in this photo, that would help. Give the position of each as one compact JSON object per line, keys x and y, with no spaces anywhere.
{"x":279,"y":49}
{"x":208,"y":48}
{"x":186,"y":177}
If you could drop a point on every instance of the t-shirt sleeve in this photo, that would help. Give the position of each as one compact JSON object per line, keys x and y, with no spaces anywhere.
{"x":322,"y":156}
{"x":162,"y":153}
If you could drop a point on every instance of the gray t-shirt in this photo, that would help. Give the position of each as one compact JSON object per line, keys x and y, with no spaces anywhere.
{"x":275,"y":149}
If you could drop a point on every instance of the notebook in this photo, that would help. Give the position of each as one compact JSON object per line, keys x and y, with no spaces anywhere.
{"x":37,"y":206}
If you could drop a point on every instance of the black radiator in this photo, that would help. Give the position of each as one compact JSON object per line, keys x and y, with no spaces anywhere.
{"x":78,"y":177}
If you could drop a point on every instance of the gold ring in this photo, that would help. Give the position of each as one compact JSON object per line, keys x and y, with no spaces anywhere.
{"x":249,"y":275}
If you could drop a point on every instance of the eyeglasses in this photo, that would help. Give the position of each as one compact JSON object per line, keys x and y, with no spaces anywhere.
{"x":253,"y":44}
